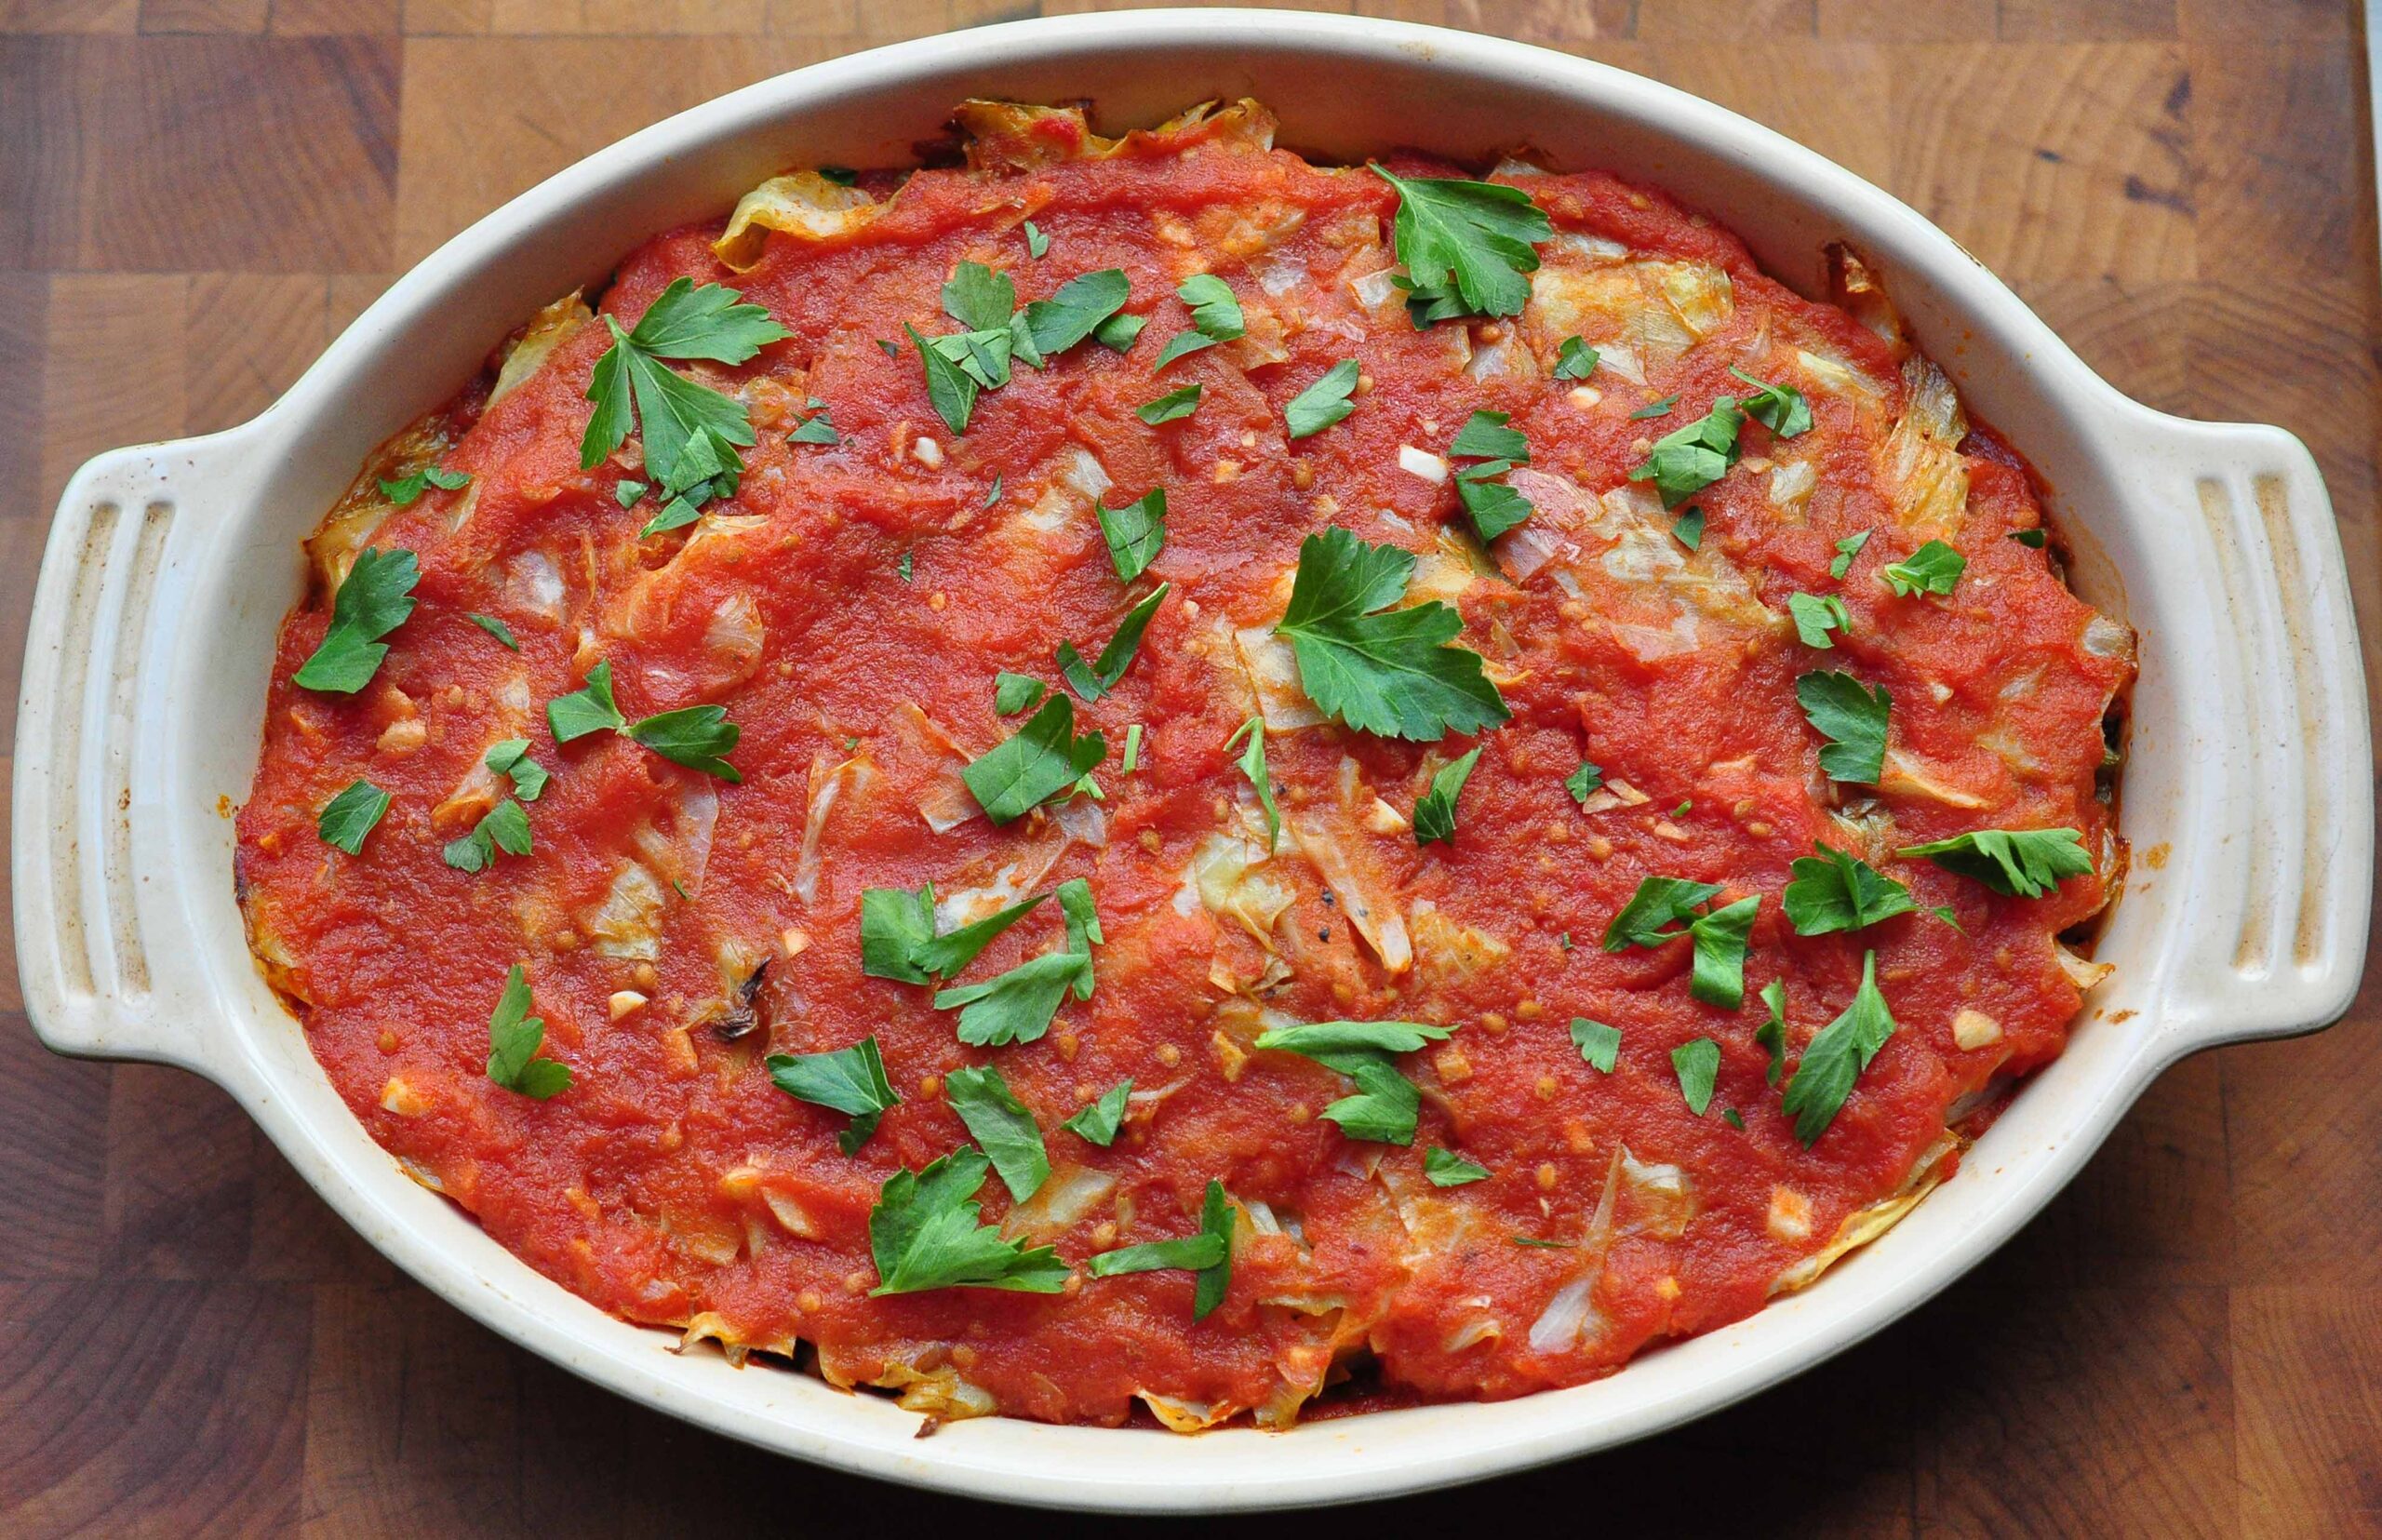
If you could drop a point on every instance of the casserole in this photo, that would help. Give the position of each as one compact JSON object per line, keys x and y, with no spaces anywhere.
{"x":169,"y":566}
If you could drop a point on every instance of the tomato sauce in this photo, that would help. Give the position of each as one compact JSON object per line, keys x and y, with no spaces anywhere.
{"x":849,"y":605}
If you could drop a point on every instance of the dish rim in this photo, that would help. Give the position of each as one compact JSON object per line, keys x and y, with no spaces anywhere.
{"x":1375,"y":1456}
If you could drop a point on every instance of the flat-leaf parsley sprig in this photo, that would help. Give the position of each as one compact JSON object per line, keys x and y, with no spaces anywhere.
{"x":691,"y":432}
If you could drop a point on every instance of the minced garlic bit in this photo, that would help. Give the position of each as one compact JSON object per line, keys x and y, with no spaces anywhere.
{"x":624,"y":1002}
{"x":1422,"y":462}
{"x":1974,"y":1029}
{"x":928,"y":453}
{"x":1790,"y":1215}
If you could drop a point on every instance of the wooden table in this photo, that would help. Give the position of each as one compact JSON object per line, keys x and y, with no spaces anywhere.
{"x":196,"y":194}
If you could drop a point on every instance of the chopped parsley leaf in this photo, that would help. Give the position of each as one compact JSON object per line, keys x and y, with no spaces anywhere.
{"x":373,"y":599}
{"x":1447,"y":1169}
{"x":693,"y":433}
{"x":513,"y":1038}
{"x":1119,"y":331}
{"x":842,"y":175}
{"x":628,"y":493}
{"x":1854,"y":721}
{"x":923,"y":1234}
{"x":1323,"y":403}
{"x":2014,"y":862}
{"x":1215,"y":317}
{"x":1846,"y":549}
{"x":1132,"y":757}
{"x":1654,"y":409}
{"x":1134,"y":532}
{"x":1194,"y":1252}
{"x":1013,"y":693}
{"x":1466,"y":245}
{"x":511,"y":758}
{"x":1386,"y":1103}
{"x":1037,"y":245}
{"x":1173,"y":405}
{"x":1697,"y":1064}
{"x":1816,"y":616}
{"x":1836,"y":1056}
{"x":1685,"y":462}
{"x":993,"y":493}
{"x":504,"y":827}
{"x":1097,"y":1122}
{"x":1082,"y":307}
{"x":495,"y":628}
{"x":904,"y":567}
{"x":1534,"y":1241}
{"x":849,"y":1081}
{"x":348,"y":817}
{"x":1435,"y":810}
{"x":1093,"y":680}
{"x":1001,"y":1125}
{"x":1583,"y":783}
{"x":1215,"y":1280}
{"x":1252,"y":764}
{"x":815,"y":429}
{"x":950,"y":390}
{"x":697,"y":737}
{"x":1574,"y":359}
{"x":1659,"y":902}
{"x":1688,"y":529}
{"x":405,"y":489}
{"x":675,"y":514}
{"x":1837,"y":892}
{"x":1935,"y":568}
{"x":1600,"y":1045}
{"x":1495,"y":506}
{"x":1771,"y":1035}
{"x":1781,"y":408}
{"x":1720,"y":944}
{"x":588,"y":709}
{"x":952,"y":951}
{"x":1041,"y":759}
{"x":1485,"y":436}
{"x":1394,"y":674}
{"x":2031,"y":539}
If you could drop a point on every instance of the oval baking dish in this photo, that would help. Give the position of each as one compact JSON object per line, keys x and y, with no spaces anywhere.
{"x":169,"y":566}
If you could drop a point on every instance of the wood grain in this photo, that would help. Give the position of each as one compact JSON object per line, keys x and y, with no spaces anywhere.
{"x":196,"y":194}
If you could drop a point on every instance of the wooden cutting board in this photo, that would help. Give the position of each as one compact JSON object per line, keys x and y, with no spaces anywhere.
{"x":196,"y":194}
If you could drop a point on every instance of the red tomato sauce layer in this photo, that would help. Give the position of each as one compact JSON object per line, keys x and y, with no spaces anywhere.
{"x":850,"y":606}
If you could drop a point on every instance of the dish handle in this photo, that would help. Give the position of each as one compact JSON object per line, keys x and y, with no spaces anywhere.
{"x":2270,"y":878}
{"x":107,"y":948}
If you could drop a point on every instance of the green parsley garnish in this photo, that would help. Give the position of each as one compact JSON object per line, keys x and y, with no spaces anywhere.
{"x":1697,"y":1064}
{"x":1173,"y":405}
{"x":1486,"y":436}
{"x":1447,"y":1169}
{"x":923,"y":1234}
{"x":695,"y":737}
{"x":1659,"y":902}
{"x":1395,"y":673}
{"x":1574,"y":359}
{"x":676,"y":513}
{"x":815,"y":429}
{"x":1037,"y":244}
{"x":495,"y":628}
{"x":1119,"y":331}
{"x":1134,"y":532}
{"x":1013,"y":693}
{"x":1720,"y":944}
{"x":1854,"y":721}
{"x":1494,"y":506}
{"x":993,"y":493}
{"x":373,"y":599}
{"x":1132,"y":757}
{"x":1836,"y":1056}
{"x":1653,"y":410}
{"x":1194,"y":1252}
{"x":1435,"y":810}
{"x":1215,"y":1282}
{"x":842,"y":175}
{"x":511,"y":758}
{"x":1082,"y":307}
{"x":1536,"y":1243}
{"x":2031,"y":539}
{"x":1836,"y":891}
{"x":1097,"y":679}
{"x":1386,"y":1103}
{"x":1781,"y":408}
{"x":1215,"y":317}
{"x":1771,"y":1035}
{"x":1935,"y":568}
{"x":1688,"y":529}
{"x":1846,"y":549}
{"x":1466,"y":245}
{"x":1583,"y":783}
{"x":2015,"y":863}
{"x":1098,"y":1122}
{"x":1816,"y":616}
{"x":1687,"y":460}
{"x":849,"y":1081}
{"x":348,"y":817}
{"x":405,"y":489}
{"x":1325,"y":402}
{"x":693,"y":433}
{"x":1037,"y":762}
{"x":589,"y":709}
{"x":1016,"y":1007}
{"x":1001,"y":1125}
{"x":513,"y":1038}
{"x":504,"y":827}
{"x":1252,"y":764}
{"x":1600,"y":1045}
{"x":904,"y":567}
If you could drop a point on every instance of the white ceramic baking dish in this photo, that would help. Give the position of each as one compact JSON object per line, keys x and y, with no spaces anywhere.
{"x":170,"y":566}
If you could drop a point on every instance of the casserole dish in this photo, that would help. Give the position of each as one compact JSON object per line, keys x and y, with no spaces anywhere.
{"x":169,"y":566}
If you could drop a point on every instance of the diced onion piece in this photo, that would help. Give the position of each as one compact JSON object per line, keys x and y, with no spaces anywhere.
{"x":826,"y":786}
{"x":1567,"y":1319}
{"x":402,"y":1099}
{"x":2082,"y":971}
{"x":1790,"y":1215}
{"x":1974,"y":1029}
{"x":1422,"y":462}
{"x":622,"y":1002}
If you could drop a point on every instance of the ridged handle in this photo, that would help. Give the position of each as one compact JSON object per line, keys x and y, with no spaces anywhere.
{"x":100,"y":945}
{"x":2272,"y":864}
